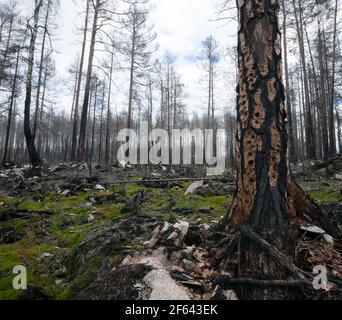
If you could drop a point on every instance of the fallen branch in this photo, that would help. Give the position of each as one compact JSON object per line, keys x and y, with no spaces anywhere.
{"x":227,"y":283}
{"x":169,"y":180}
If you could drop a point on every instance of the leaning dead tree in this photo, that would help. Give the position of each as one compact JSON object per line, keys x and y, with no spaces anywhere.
{"x":267,"y":202}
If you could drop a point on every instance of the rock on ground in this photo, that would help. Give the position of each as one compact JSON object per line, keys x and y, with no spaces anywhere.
{"x":163,"y":287}
{"x":194,"y":187}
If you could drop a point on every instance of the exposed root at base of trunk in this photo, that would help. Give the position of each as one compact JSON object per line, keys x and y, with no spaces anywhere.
{"x":285,"y":280}
{"x":306,"y":208}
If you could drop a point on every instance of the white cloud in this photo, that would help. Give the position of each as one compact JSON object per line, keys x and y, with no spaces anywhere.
{"x":181,"y":25}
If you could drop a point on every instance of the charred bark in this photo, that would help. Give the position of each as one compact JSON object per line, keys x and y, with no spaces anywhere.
{"x":268,"y":204}
{"x":261,"y":198}
{"x":31,"y":148}
{"x":73,"y":152}
{"x":81,"y":155}
{"x":10,"y":111}
{"x":262,"y":203}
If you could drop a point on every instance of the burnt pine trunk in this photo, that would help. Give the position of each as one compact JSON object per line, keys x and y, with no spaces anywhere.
{"x":131,"y":80}
{"x":40,"y":76}
{"x":315,"y":97}
{"x":267,"y":200}
{"x":101,"y":124}
{"x":310,"y":141}
{"x":4,"y":60}
{"x":261,"y":201}
{"x":10,"y":111}
{"x":78,"y":91}
{"x":31,"y":148}
{"x":332,"y":137}
{"x":323,"y":101}
{"x":292,"y":148}
{"x":109,"y":115}
{"x":83,"y":128}
{"x":71,"y":124}
{"x":42,"y":104}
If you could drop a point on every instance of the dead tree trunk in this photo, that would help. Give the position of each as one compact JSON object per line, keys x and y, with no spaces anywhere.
{"x":10,"y":111}
{"x":267,"y":201}
{"x":41,"y":112}
{"x":292,"y":148}
{"x":9,"y":38}
{"x":83,"y":129}
{"x":31,"y":148}
{"x":332,"y":137}
{"x":109,"y":115}
{"x":101,"y":124}
{"x":323,"y":102}
{"x":131,"y":81}
{"x":40,"y":76}
{"x":310,"y":143}
{"x":78,"y":91}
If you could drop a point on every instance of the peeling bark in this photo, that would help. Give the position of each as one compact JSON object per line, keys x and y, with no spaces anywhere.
{"x":268,"y":203}
{"x":261,"y":201}
{"x":261,"y":198}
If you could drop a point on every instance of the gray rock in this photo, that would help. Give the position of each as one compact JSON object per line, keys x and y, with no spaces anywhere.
{"x":188,"y":265}
{"x":313,"y":229}
{"x":338,"y":176}
{"x":230,"y":295}
{"x":163,"y":287}
{"x":328,"y":239}
{"x":180,"y":232}
{"x":194,"y":187}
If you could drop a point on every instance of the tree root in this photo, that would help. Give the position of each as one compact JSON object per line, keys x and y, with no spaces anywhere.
{"x":229,"y":249}
{"x":303,"y":205}
{"x":273,"y":252}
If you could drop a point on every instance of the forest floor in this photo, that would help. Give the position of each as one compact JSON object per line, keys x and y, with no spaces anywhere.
{"x":100,"y":238}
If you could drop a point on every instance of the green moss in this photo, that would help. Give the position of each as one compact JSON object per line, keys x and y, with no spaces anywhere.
{"x":159,"y":200}
{"x":110,"y":211}
{"x":74,"y":209}
{"x":4,"y":199}
{"x":64,"y":294}
{"x":8,"y":260}
{"x":31,"y":205}
{"x":326,"y":194}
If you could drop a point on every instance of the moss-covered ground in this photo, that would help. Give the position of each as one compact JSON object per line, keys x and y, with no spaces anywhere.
{"x":49,"y":238}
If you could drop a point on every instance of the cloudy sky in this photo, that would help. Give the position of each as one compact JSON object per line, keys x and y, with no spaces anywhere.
{"x":181,"y":25}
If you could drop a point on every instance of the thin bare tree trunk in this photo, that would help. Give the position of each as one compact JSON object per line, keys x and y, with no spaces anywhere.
{"x":310,"y":144}
{"x":10,"y":111}
{"x":332,"y":136}
{"x":41,"y":112}
{"x":40,"y":76}
{"x":109,"y":116}
{"x":31,"y":148}
{"x":131,"y":82}
{"x":83,"y":128}
{"x":93,"y":131}
{"x":292,"y":147}
{"x":3,"y":63}
{"x":101,"y":126}
{"x":79,"y":84}
{"x":323,"y":102}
